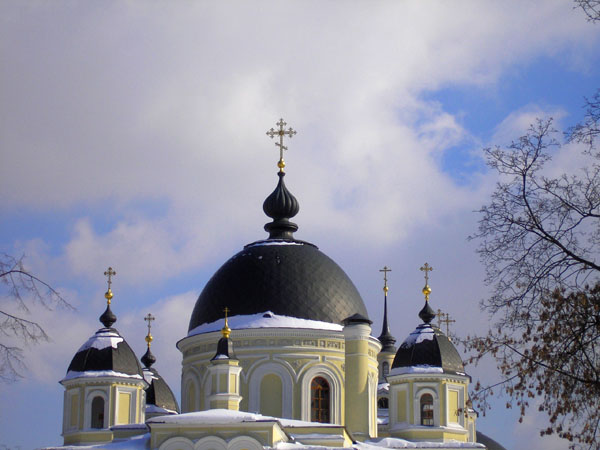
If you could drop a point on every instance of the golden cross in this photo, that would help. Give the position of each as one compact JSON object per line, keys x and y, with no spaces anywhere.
{"x":426,"y":268}
{"x":385,"y":270}
{"x":110,"y":273}
{"x":447,"y":321}
{"x":149,"y":318}
{"x":281,"y":132}
{"x":226,"y":331}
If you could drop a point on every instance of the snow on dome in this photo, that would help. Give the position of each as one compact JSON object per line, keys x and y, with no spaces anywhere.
{"x":273,"y":242}
{"x":98,"y":373}
{"x":265,"y":320}
{"x":416,"y":369}
{"x":104,"y":338}
{"x":423,"y":333}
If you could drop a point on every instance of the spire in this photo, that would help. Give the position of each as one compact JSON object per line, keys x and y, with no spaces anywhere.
{"x":281,"y":205}
{"x":148,"y":359}
{"x":386,"y":338}
{"x":108,"y":318}
{"x":426,"y":314}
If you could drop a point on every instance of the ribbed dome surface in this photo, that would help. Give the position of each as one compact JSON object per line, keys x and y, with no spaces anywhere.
{"x":428,"y":346}
{"x":159,"y":393}
{"x":288,"y":277}
{"x":106,"y":350}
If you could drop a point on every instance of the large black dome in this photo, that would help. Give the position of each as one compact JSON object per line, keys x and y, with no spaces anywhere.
{"x":285,"y":276}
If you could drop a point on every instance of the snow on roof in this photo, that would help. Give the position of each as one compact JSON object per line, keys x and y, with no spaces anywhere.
{"x":401,"y":443}
{"x":422,"y":333}
{"x":103,"y":338}
{"x":97,"y":373}
{"x":266,"y":319}
{"x":148,"y":375}
{"x":225,"y":416}
{"x":210,"y":417}
{"x":416,"y":369}
{"x":141,"y":442}
{"x":383,"y":387}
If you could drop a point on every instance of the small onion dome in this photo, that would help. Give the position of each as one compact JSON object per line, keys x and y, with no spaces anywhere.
{"x":224,"y":349}
{"x":159,"y":396}
{"x":281,"y":206}
{"x":106,"y":353}
{"x":428,"y":348}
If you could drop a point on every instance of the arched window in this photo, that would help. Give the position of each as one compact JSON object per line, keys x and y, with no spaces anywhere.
{"x":98,"y":412}
{"x":385,"y":368}
{"x":383,"y":403}
{"x":319,"y":400}
{"x":427,"y":410}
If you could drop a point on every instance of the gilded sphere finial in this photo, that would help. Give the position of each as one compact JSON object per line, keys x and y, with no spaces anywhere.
{"x":108,"y":295}
{"x":281,"y":164}
{"x":149,"y":339}
{"x":426,"y":291}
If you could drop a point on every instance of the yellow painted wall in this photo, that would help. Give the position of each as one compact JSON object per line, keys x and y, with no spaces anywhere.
{"x":124,"y":408}
{"x":402,"y":407}
{"x":74,"y":410}
{"x":271,"y":390}
{"x":452,"y":406}
{"x":232,"y":383}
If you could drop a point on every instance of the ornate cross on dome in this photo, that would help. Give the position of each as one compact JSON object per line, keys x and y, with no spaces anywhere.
{"x":149,"y":318}
{"x":109,"y":273}
{"x":281,"y":132}
{"x":385,"y":270}
{"x":226,"y":331}
{"x":426,"y":290}
{"x":444,"y":318}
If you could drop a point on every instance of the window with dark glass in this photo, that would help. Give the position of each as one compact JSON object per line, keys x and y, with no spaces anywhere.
{"x":427,"y":410}
{"x":383,"y":403}
{"x":319,"y":400}
{"x":98,"y":412}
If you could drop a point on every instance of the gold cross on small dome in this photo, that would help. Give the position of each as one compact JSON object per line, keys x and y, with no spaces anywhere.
{"x":109,"y":273}
{"x":426,"y":290}
{"x":281,"y":132}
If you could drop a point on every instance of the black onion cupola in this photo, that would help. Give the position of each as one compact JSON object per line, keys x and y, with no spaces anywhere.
{"x":160,"y":399}
{"x":105,"y":353}
{"x":427,"y":347}
{"x":281,"y":274}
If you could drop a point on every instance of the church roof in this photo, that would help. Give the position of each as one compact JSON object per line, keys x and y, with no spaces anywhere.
{"x":105,"y":353}
{"x":427,"y":350}
{"x":281,"y":274}
{"x":158,"y":394}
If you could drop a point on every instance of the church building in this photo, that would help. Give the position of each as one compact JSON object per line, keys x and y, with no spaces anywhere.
{"x":279,"y":353}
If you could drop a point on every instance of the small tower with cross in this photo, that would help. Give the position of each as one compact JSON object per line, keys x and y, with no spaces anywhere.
{"x":385,"y":357}
{"x":224,"y":371}
{"x":104,"y":384}
{"x":160,"y":399}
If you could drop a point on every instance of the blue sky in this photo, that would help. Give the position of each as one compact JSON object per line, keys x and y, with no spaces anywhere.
{"x":132,"y":134}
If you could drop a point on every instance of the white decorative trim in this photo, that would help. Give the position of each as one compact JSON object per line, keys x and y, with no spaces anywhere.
{"x":133,"y":401}
{"x":177,"y":443}
{"x":287,"y":386}
{"x":335,"y":385}
{"x":90,"y":394}
{"x":244,"y":442}
{"x":210,"y":443}
{"x":421,"y":389}
{"x":190,"y":378}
